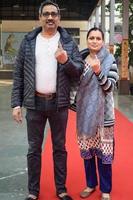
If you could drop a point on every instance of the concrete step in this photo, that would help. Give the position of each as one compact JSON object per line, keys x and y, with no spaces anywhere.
{"x":6,"y":74}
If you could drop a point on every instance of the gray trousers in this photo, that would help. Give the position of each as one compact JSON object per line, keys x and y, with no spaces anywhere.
{"x":36,"y":121}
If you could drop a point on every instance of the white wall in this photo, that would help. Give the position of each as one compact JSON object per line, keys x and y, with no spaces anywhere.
{"x":26,"y":26}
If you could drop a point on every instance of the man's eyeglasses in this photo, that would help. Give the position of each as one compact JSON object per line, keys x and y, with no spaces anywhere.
{"x":53,"y":14}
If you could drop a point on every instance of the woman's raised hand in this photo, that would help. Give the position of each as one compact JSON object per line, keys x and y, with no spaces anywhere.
{"x":96,"y":65}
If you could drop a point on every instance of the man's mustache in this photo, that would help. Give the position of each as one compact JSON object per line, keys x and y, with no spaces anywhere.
{"x":50,"y":20}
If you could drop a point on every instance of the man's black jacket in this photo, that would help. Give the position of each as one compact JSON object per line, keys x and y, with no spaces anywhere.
{"x":23,"y":92}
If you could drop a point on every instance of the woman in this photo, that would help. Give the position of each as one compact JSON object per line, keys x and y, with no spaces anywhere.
{"x":95,"y":114}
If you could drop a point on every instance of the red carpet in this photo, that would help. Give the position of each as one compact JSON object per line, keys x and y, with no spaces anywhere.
{"x":122,"y":167}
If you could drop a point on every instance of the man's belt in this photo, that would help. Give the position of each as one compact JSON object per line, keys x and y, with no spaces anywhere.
{"x":47,"y":96}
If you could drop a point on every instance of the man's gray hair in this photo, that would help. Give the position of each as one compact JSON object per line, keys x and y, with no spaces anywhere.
{"x":48,"y":2}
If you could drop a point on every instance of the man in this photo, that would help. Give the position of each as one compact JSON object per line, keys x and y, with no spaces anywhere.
{"x":47,"y":60}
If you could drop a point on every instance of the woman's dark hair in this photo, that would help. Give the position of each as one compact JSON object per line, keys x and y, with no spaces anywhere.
{"x":48,"y":2}
{"x":95,"y":29}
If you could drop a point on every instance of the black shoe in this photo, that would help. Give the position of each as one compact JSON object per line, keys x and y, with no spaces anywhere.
{"x":65,"y":197}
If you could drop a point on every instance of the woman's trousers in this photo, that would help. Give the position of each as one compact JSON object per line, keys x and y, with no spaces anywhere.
{"x":104,"y":171}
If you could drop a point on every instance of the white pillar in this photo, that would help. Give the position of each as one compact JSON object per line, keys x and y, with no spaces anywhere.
{"x":92,"y":21}
{"x":97,"y":17}
{"x":103,"y":15}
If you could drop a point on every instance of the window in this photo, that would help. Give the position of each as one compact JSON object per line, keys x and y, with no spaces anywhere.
{"x":118,"y":28}
{"x":75,"y":33}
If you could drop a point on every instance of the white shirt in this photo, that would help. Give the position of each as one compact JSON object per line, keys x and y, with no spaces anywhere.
{"x":46,"y":63}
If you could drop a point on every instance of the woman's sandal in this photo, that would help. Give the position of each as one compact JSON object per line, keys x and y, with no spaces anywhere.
{"x":86,"y":193}
{"x":105,"y":198}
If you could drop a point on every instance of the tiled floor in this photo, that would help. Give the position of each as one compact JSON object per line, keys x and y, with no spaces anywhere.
{"x":13,"y":145}
{"x":13,"y":149}
{"x":124,"y":103}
